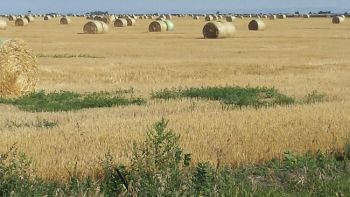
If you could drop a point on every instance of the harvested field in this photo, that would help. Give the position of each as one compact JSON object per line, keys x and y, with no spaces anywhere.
{"x":295,"y":56}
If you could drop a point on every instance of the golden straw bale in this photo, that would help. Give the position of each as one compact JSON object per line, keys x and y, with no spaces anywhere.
{"x":18,"y":68}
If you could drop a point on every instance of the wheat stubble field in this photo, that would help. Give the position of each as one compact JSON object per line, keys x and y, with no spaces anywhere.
{"x":296,"y":56}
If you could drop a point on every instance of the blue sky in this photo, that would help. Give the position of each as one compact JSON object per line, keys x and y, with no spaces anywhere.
{"x":174,"y":6}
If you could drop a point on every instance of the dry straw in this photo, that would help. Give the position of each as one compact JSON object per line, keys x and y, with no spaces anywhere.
{"x":30,"y":18}
{"x":95,"y":27}
{"x":230,"y":18}
{"x":21,"y":22}
{"x":256,"y":25}
{"x":219,"y":29}
{"x":158,"y":26}
{"x":121,"y":22}
{"x":18,"y":68}
{"x":338,"y":19}
{"x":3,"y":25}
{"x":47,"y":17}
{"x":12,"y":18}
{"x":65,"y":20}
{"x":131,"y":21}
{"x":170,"y":25}
{"x":209,"y":18}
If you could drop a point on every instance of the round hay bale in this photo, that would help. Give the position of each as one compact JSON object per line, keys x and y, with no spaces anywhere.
{"x":256,"y":25}
{"x":230,"y":18}
{"x":338,"y":19}
{"x":95,"y":27}
{"x":218,"y":29}
{"x":131,"y":21}
{"x":170,"y":25}
{"x":30,"y":18}
{"x":168,"y":17}
{"x":47,"y":17}
{"x":18,"y":68}
{"x":65,"y":21}
{"x":12,"y":18}
{"x":158,"y":26}
{"x":21,"y":22}
{"x":273,"y":17}
{"x":196,"y":17}
{"x":306,"y":15}
{"x":121,"y":22}
{"x":209,"y":18}
{"x":282,"y":16}
{"x":3,"y":25}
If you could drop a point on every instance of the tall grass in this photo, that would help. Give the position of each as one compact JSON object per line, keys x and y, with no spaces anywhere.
{"x":159,"y":167}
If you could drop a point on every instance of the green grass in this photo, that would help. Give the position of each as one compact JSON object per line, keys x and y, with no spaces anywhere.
{"x":67,"y":101}
{"x":235,"y":96}
{"x":68,"y":56}
{"x":160,"y":167}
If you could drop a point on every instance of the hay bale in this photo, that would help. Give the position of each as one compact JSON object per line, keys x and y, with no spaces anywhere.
{"x":65,"y":20}
{"x":3,"y":25}
{"x":230,"y":18}
{"x":21,"y":22}
{"x":218,"y":29}
{"x":338,"y":19}
{"x":131,"y":21}
{"x":282,"y":16}
{"x":18,"y":68}
{"x":95,"y":27}
{"x":306,"y":16}
{"x":209,"y":18}
{"x":158,"y":26}
{"x":170,"y":25}
{"x":273,"y":17}
{"x":168,"y":17}
{"x":256,"y":25}
{"x":30,"y":18}
{"x":47,"y":17}
{"x":196,"y":17}
{"x":12,"y":18}
{"x":121,"y":22}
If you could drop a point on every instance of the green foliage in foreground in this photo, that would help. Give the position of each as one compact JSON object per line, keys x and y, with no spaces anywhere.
{"x":236,"y":96}
{"x":159,"y":167}
{"x":67,"y":101}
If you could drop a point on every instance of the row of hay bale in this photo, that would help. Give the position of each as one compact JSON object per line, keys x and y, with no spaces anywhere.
{"x":224,"y":29}
{"x":100,"y":27}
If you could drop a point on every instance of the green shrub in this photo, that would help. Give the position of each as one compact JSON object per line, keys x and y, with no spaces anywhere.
{"x":158,"y":166}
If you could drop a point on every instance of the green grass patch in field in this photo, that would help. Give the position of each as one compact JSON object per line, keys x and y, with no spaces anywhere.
{"x":68,"y":56}
{"x":67,"y":101}
{"x":236,"y":96}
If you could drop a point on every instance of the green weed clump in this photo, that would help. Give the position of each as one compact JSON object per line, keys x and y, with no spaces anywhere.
{"x":236,"y":96}
{"x":67,"y":101}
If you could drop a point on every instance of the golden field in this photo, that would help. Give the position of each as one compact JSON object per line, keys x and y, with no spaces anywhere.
{"x":295,"y":56}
